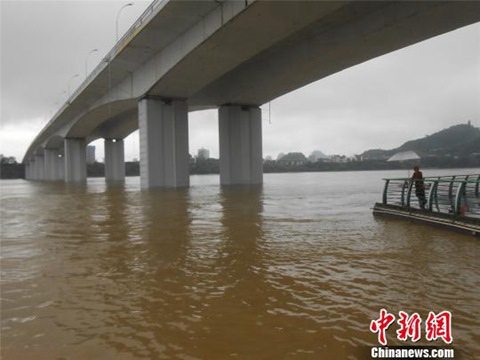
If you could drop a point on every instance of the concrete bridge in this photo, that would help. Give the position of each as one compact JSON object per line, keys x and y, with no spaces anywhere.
{"x":183,"y":56}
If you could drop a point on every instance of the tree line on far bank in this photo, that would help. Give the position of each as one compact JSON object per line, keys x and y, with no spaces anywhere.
{"x":14,"y":170}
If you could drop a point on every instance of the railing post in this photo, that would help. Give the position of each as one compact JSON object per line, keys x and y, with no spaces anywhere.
{"x":432,"y":194}
{"x":409,"y":193}
{"x":385,"y":189}
{"x":458,"y":197}
{"x":477,"y":185}
{"x":450,"y":193}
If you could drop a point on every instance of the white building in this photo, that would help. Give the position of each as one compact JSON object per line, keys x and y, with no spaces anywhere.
{"x":203,"y":154}
{"x":317,"y":155}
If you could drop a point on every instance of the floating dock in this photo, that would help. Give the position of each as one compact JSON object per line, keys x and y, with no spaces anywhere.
{"x":451,"y":202}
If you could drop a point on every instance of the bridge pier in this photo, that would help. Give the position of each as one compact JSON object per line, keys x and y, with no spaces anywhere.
{"x":52,"y":165}
{"x":240,"y":133}
{"x":75,"y":160}
{"x":163,"y":130}
{"x":114,"y":160}
{"x":39,"y":167}
{"x":61,"y":170}
{"x":29,"y":170}
{"x":33,"y":169}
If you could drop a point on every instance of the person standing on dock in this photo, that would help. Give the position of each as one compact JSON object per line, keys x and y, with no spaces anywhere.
{"x":419,"y":186}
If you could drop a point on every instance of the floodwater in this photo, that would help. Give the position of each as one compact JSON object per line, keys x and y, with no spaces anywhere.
{"x":295,"y":269}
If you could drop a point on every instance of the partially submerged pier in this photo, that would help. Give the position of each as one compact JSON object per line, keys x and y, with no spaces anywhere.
{"x":452,"y":202}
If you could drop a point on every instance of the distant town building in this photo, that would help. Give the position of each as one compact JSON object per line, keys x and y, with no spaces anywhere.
{"x":90,"y":154}
{"x":338,"y":159}
{"x":203,"y":154}
{"x":317,"y":155}
{"x":293,"y":158}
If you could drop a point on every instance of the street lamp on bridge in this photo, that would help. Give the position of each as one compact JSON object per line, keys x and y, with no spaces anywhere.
{"x":118,"y":16}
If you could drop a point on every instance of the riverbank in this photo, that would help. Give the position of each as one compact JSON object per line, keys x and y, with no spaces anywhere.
{"x":211,"y":166}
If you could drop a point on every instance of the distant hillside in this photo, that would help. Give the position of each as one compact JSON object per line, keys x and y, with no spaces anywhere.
{"x":457,"y":140}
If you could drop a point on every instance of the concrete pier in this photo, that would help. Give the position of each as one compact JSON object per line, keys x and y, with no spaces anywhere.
{"x":52,"y":165}
{"x":39,"y":167}
{"x":61,"y":161}
{"x":27,"y":170}
{"x":163,"y":128}
{"x":75,"y":160}
{"x":114,"y":160}
{"x":240,"y":133}
{"x":29,"y":165}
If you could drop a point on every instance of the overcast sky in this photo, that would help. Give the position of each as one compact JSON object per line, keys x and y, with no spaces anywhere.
{"x":382,"y":103}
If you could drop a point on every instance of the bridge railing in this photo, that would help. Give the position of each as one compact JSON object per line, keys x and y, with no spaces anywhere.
{"x":454,"y":195}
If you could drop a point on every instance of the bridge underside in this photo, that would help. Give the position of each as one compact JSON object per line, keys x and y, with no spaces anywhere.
{"x":334,"y":36}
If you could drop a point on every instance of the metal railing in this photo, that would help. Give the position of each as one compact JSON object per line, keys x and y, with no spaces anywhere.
{"x":454,"y":195}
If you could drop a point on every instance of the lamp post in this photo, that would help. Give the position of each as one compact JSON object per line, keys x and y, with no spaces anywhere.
{"x":118,"y":16}
{"x":86,"y":61}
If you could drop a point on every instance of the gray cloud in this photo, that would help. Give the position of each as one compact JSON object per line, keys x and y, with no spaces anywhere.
{"x":45,"y":43}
